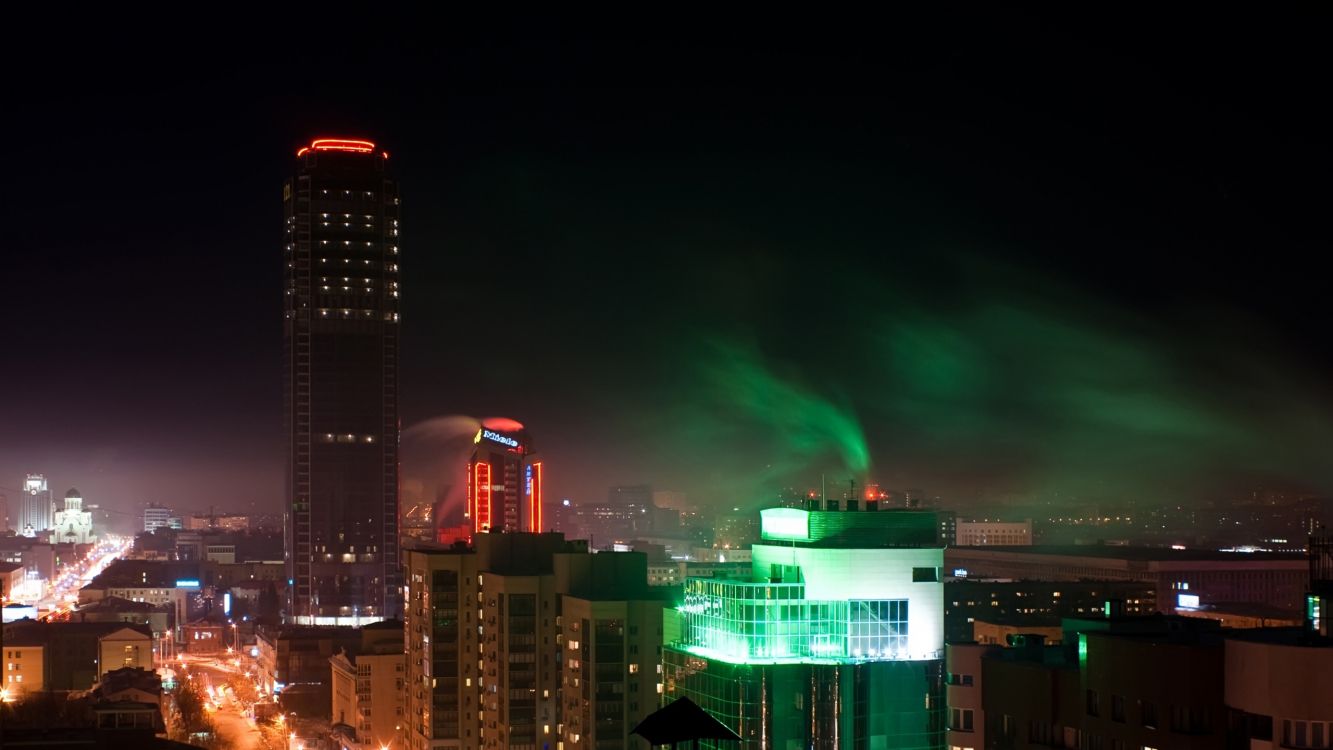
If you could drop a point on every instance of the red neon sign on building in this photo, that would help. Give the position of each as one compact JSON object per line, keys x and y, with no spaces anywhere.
{"x":535,"y":496}
{"x":481,"y":483}
{"x":340,"y":144}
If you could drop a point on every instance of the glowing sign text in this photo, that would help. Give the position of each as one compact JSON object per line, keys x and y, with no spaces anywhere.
{"x":496,"y":437}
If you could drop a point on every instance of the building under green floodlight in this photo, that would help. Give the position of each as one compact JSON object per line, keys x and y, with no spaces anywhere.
{"x":836,"y":641}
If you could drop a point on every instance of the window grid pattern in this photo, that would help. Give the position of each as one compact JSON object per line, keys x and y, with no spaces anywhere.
{"x":744,"y":621}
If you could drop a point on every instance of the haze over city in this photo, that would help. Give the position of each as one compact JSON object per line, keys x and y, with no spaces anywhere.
{"x":925,"y":380}
{"x":967,"y":281}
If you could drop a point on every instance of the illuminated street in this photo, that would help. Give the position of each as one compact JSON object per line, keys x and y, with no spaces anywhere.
{"x":235,"y":728}
{"x":56,"y":597}
{"x":64,"y":591}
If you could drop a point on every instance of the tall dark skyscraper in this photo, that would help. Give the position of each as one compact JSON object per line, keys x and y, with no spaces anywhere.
{"x":340,"y":336}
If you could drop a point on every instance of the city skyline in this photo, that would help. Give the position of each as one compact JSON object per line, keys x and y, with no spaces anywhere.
{"x":930,"y":381}
{"x":957,"y":279}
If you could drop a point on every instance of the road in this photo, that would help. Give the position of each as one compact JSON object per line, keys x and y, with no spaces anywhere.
{"x":63,"y":591}
{"x":234,"y":728}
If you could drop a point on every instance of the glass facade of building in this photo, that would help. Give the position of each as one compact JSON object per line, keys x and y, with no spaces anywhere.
{"x":744,"y":621}
{"x":868,"y":704}
{"x":836,"y":641}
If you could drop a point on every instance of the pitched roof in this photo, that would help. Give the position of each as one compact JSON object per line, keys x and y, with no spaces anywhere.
{"x":28,"y":632}
{"x":130,"y":677}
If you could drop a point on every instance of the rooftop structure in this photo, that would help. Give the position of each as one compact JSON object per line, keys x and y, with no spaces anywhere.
{"x":1202,"y":577}
{"x":846,"y":601}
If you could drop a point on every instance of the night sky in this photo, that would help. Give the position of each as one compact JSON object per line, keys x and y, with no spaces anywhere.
{"x":998,"y":256}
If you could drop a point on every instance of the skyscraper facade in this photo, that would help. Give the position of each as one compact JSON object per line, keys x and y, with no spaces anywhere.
{"x":340,"y":347}
{"x":35,"y":511}
{"x":527,"y":641}
{"x":835,"y":641}
{"x":504,"y":481}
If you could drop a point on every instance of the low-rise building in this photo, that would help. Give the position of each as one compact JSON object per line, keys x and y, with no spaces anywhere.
{"x":1243,"y":616}
{"x":207,"y":635}
{"x":151,"y":581}
{"x":967,"y":715}
{"x":1279,"y":689}
{"x":223,"y":554}
{"x":1033,"y":603}
{"x":75,"y":655}
{"x":117,"y":609}
{"x":294,"y":661}
{"x":130,"y":684}
{"x":225,"y":522}
{"x":38,"y":557}
{"x":999,"y":631}
{"x":1203,"y":577}
{"x":12,"y":576}
{"x":665,"y":574}
{"x":25,"y":670}
{"x":988,"y":533}
{"x":1120,"y":682}
{"x":129,"y":699}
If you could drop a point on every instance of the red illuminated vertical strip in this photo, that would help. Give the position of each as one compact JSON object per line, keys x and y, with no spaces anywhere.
{"x":537,"y":496}
{"x":482,"y":480}
{"x":469,"y":510}
{"x":532,"y":497}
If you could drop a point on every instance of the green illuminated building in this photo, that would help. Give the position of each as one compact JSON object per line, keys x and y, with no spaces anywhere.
{"x":836,"y":641}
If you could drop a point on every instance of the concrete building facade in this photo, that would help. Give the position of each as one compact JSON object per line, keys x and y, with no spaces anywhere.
{"x":367,"y":691}
{"x":967,"y":715}
{"x":988,"y":533}
{"x":441,"y":635}
{"x":496,"y":651}
{"x":24,"y":668}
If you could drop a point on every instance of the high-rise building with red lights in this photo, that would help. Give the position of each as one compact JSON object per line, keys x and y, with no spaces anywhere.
{"x":504,"y":480}
{"x":340,"y":347}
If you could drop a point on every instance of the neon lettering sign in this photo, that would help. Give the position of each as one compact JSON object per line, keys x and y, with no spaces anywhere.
{"x":533,"y":478}
{"x":496,"y":437}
